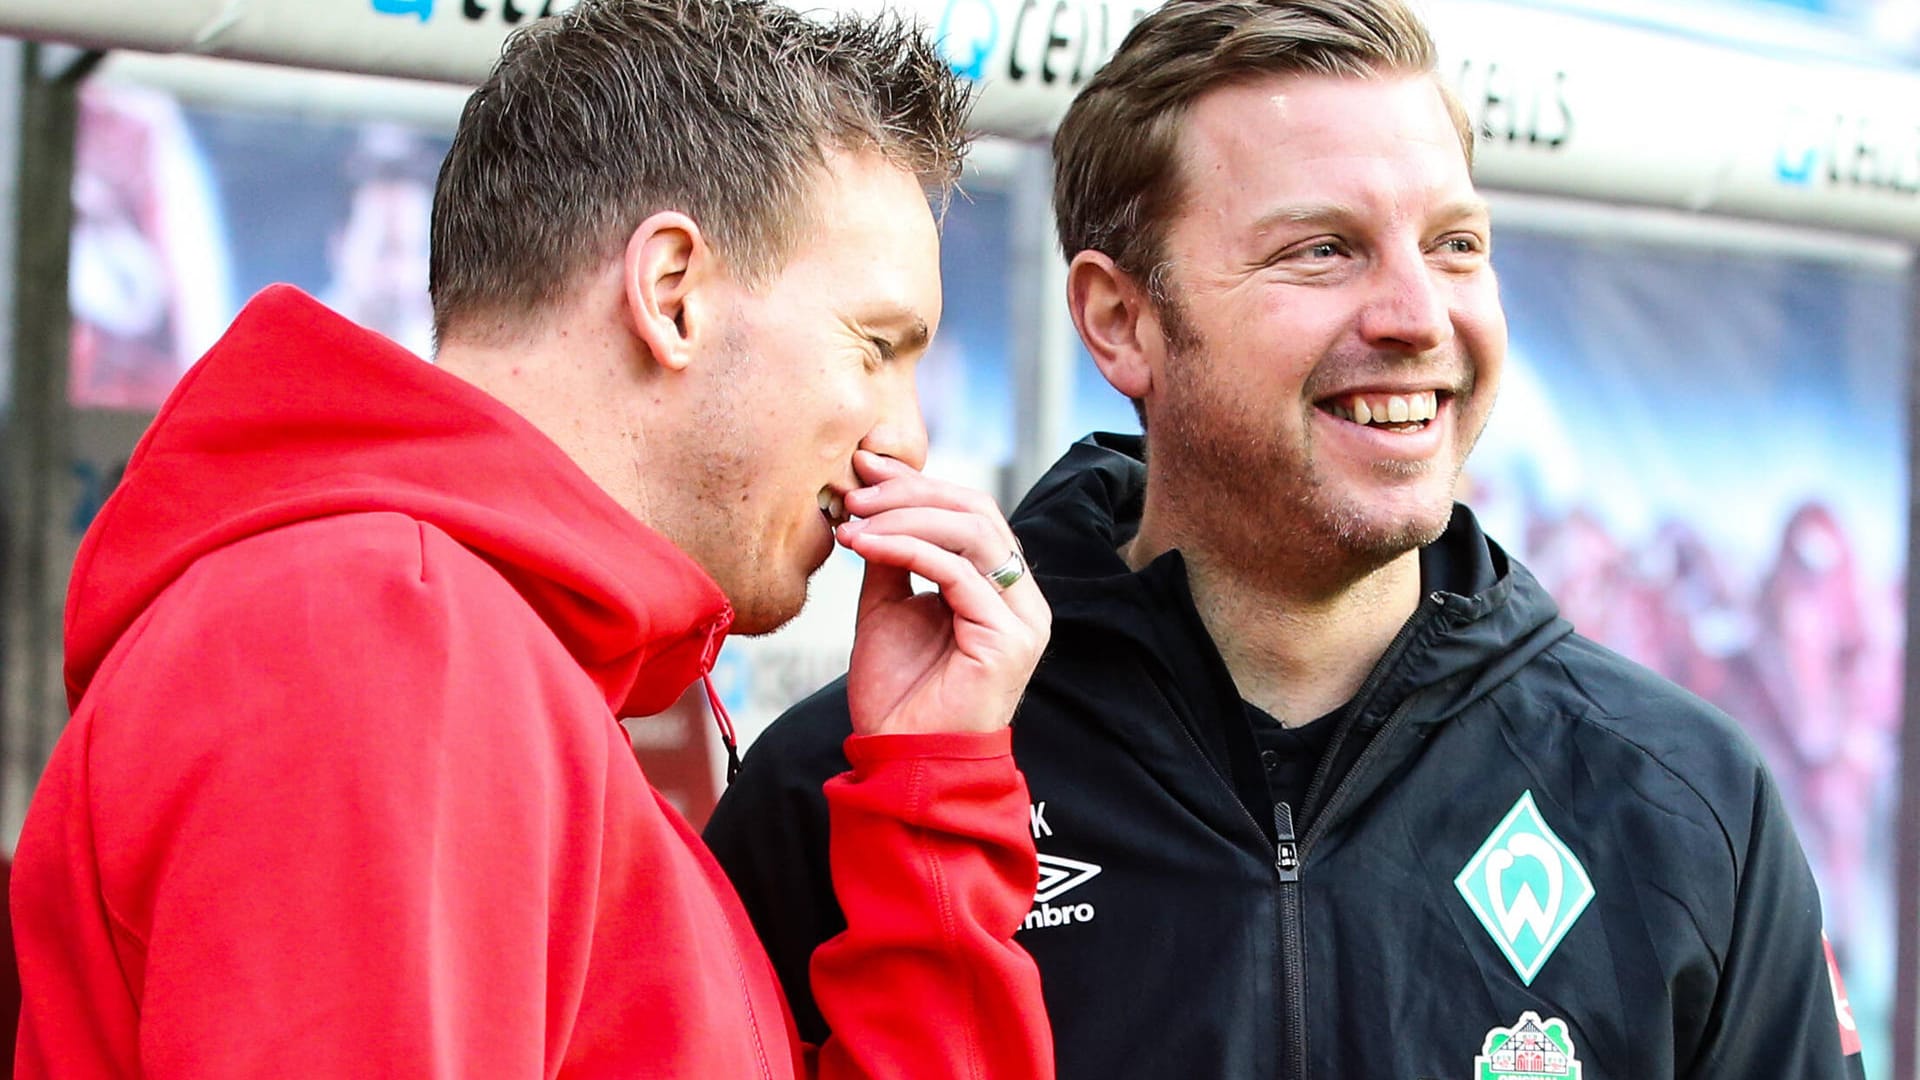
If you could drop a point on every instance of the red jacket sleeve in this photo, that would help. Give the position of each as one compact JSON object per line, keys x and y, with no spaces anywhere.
{"x":934,"y":866}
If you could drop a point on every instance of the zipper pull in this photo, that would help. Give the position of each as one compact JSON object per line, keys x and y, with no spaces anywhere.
{"x":1287,"y":851}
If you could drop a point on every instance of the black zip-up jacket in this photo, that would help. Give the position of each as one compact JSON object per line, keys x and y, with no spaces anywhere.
{"x":1522,"y":856}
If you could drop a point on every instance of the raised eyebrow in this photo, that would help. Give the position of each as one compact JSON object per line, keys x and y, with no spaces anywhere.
{"x":1472,"y":209}
{"x":1465,"y":210}
{"x":1304,"y":214}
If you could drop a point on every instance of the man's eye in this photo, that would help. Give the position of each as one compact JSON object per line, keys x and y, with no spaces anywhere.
{"x":884,"y":348}
{"x":1316,"y":251}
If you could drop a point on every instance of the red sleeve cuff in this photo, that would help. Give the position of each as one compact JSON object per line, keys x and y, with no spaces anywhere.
{"x":868,"y":751}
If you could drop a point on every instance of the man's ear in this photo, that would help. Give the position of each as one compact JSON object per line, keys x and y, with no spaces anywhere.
{"x":1117,"y":323}
{"x":665,"y":276}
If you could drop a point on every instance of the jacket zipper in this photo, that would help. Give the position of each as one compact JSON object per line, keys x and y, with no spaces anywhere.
{"x":1360,"y":764}
{"x":1292,"y":942}
{"x":1318,"y":826}
{"x":1293,"y":948}
{"x":1287,"y":857}
{"x":1375,"y":677}
{"x":1290,"y":856}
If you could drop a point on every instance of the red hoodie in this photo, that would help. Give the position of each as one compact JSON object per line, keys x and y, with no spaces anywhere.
{"x":344,"y":793}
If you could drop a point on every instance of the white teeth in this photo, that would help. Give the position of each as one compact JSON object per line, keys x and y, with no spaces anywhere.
{"x":1389,"y":408}
{"x":837,"y":509}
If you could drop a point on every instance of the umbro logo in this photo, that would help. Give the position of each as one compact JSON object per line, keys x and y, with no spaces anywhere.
{"x":1059,"y":875}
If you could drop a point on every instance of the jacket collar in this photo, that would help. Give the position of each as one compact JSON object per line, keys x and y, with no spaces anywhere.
{"x":1482,"y":610}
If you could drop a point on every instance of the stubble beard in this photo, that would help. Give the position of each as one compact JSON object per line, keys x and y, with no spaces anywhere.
{"x":717,"y":524}
{"x":1256,"y":496}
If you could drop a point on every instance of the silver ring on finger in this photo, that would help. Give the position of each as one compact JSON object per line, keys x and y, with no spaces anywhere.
{"x":1008,"y":574}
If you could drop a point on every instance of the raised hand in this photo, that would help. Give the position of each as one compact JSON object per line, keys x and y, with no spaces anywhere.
{"x":954,"y":660}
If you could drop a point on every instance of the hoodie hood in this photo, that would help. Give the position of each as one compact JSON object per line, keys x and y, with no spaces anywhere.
{"x":298,"y":414}
{"x":1072,"y":524}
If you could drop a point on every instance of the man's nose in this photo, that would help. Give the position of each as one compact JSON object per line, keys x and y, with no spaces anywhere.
{"x":901,"y":432}
{"x":1408,"y":305}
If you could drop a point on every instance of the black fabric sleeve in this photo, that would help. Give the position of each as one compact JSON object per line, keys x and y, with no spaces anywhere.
{"x":769,"y":832}
{"x":1775,"y":1012}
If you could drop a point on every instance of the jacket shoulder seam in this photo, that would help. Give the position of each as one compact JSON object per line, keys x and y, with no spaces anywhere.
{"x":1605,"y":720}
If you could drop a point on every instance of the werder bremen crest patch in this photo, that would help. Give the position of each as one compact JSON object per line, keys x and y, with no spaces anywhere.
{"x":1532,"y":1049}
{"x":1525,"y":887}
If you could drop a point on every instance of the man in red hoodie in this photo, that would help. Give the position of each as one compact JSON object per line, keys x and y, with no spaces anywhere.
{"x":345,"y":791}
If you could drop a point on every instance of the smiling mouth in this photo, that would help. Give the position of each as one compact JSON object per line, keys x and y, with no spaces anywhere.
{"x":1401,"y":414}
{"x":833,"y":507}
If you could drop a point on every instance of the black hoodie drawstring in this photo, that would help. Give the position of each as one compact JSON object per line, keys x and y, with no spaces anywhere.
{"x":725,"y":724}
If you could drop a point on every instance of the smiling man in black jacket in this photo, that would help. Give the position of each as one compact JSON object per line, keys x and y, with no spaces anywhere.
{"x":1324,"y":786}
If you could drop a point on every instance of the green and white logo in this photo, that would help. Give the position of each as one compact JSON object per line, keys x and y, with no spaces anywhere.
{"x":1525,"y":887}
{"x":1533,"y":1049}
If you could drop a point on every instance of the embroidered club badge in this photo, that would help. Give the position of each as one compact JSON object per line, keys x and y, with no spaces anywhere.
{"x":1532,"y":1049}
{"x":1525,"y":887}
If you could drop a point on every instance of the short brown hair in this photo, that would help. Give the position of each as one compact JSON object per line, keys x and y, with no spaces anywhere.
{"x":1116,"y":169}
{"x":723,"y":109}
